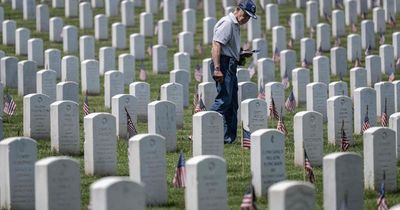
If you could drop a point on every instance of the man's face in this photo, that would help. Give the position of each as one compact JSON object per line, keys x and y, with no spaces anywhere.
{"x":242,"y":17}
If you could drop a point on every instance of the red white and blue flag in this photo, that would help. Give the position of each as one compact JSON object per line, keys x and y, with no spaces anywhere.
{"x":281,"y":125}
{"x":308,"y":168}
{"x":344,"y":144}
{"x":197,"y":73}
{"x":384,"y":116}
{"x":142,"y":73}
{"x":381,"y":201}
{"x":85,"y":107}
{"x":200,"y":106}
{"x":290,"y":103}
{"x":180,"y":173}
{"x":365,"y":125}
{"x":249,"y":199}
{"x":130,"y":126}
{"x":246,"y":141}
{"x":273,"y":113}
{"x":261,"y":92}
{"x":276,"y":56}
{"x":9,"y":105}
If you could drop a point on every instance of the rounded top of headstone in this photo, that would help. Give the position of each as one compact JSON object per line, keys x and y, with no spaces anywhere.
{"x":37,"y":96}
{"x":337,"y":83}
{"x":84,"y":37}
{"x":123,"y":96}
{"x":212,"y":161}
{"x":395,"y":115}
{"x":338,"y":48}
{"x":107,"y":48}
{"x":9,"y":58}
{"x":55,"y":50}
{"x":300,"y":69}
{"x":56,"y":19}
{"x":367,"y":22}
{"x":160,"y":46}
{"x":363,"y":89}
{"x":277,"y":84}
{"x":341,"y":155}
{"x":64,"y":103}
{"x":259,"y":40}
{"x":179,"y":54}
{"x":47,"y":72}
{"x":320,"y":25}
{"x":139,"y":83}
{"x":67,"y":83}
{"x":382,"y":83}
{"x":88,"y":61}
{"x":106,"y":182}
{"x":210,"y":114}
{"x":341,"y":98}
{"x":161,"y":103}
{"x":20,"y":29}
{"x":247,"y":83}
{"x":306,"y":113}
{"x":57,"y":160}
{"x":25,"y":62}
{"x":314,"y":2}
{"x":290,"y":185}
{"x":150,"y":138}
{"x":264,"y":132}
{"x":114,"y":73}
{"x":205,"y":60}
{"x":296,"y":14}
{"x":180,"y":71}
{"x":256,"y":101}
{"x":19,"y":139}
{"x":287,"y":51}
{"x":352,"y":36}
{"x":98,"y":115}
{"x":126,"y":56}
{"x":383,"y":131}
{"x":70,"y":27}
{"x":136,"y":35}
{"x":357,"y":69}
{"x":173,"y":85}
{"x":321,"y":57}
{"x":385,"y":46}
{"x":317,"y":85}
{"x":100,"y":16}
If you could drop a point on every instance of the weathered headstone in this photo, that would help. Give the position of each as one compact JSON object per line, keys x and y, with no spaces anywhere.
{"x":207,"y":92}
{"x":71,"y":8}
{"x":338,"y":26}
{"x":117,"y":193}
{"x":208,"y":135}
{"x":162,"y":120}
{"x":386,"y":52}
{"x":272,"y":16}
{"x":380,"y":159}
{"x":68,"y":91}
{"x":52,"y":60}
{"x":141,"y":90}
{"x":26,"y":77}
{"x":18,"y":155}
{"x":287,"y":63}
{"x":90,"y":77}
{"x":146,"y":24}
{"x":358,"y":78}
{"x":294,"y":195}
{"x":353,"y":47}
{"x":342,"y":181}
{"x":57,"y":181}
{"x":373,"y":67}
{"x":136,"y":46}
{"x":321,"y":70}
{"x":312,"y":14}
{"x":364,"y":107}
{"x":165,"y":32}
{"x":323,"y":37}
{"x":122,"y":103}
{"x":181,"y":76}
{"x":64,"y":127}
{"x":70,"y":39}
{"x":297,"y":26}
{"x":317,"y":94}
{"x":338,"y":88}
{"x":42,"y":18}
{"x":160,"y":59}
{"x":308,"y":136}
{"x":86,"y":47}
{"x":101,"y":27}
{"x":126,"y":65}
{"x":107,"y":59}
{"x":173,"y":92}
{"x":147,"y":165}
{"x":9,"y":71}
{"x":111,"y":7}
{"x":267,"y":159}
{"x":275,"y":90}
{"x":56,"y":25}
{"x":35,"y":51}
{"x":22,"y":35}
{"x":113,"y":85}
{"x":9,"y":27}
{"x":186,"y":44}
{"x":206,"y":180}
{"x":338,"y":61}
{"x":118,"y":35}
{"x":36,"y":116}
{"x":46,"y":83}
{"x":307,"y":50}
{"x":300,"y":79}
{"x":85,"y":16}
{"x":340,"y":116}
{"x":70,"y":69}
{"x":384,"y":95}
{"x":367,"y":34}
{"x":100,"y":145}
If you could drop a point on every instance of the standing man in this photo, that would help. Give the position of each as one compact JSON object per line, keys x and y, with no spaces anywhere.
{"x":226,"y":53}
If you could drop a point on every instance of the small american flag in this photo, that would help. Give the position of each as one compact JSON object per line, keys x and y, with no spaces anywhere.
{"x":261,"y":93}
{"x":180,"y":173}
{"x":353,"y":27}
{"x":130,"y":126}
{"x":368,"y":50}
{"x":200,"y":106}
{"x":276,"y":56}
{"x":290,"y":103}
{"x":246,"y":141}
{"x":249,"y":199}
{"x":281,"y":125}
{"x":337,"y":42}
{"x":142,"y":73}
{"x":384,"y":117}
{"x":381,"y":202}
{"x":9,"y":105}
{"x":344,"y":144}
{"x":290,"y":43}
{"x":392,"y":22}
{"x":200,"y":48}
{"x":391,"y":77}
{"x":150,"y":49}
{"x":85,"y":107}
{"x":382,"y":39}
{"x":308,"y":168}
{"x":285,"y":80}
{"x":272,"y":109}
{"x":197,"y":73}
{"x":365,"y":125}
{"x":364,"y":15}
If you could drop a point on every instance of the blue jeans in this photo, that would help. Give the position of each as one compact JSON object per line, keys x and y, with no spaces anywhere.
{"x":226,"y":102}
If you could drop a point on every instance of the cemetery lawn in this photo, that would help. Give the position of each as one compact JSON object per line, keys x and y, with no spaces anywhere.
{"x":237,"y":159}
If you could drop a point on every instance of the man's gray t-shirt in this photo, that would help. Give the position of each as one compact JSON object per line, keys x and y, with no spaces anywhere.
{"x":227,"y":32}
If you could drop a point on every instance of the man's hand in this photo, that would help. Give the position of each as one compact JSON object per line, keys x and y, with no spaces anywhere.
{"x":218,"y":75}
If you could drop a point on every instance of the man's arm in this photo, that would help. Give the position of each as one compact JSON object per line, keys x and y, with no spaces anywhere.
{"x":215,"y":55}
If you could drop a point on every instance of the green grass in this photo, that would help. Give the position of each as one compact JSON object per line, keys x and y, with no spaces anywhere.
{"x":238,"y":160}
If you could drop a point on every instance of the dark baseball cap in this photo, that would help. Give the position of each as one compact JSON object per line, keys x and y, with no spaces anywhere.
{"x":249,"y":7}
